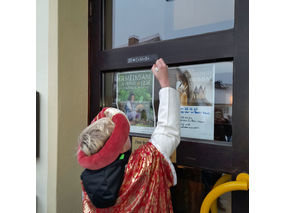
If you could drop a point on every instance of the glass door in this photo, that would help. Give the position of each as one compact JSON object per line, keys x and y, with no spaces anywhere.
{"x":205,"y":44}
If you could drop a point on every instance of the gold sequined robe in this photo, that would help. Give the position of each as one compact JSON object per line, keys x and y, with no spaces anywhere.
{"x":146,"y":185}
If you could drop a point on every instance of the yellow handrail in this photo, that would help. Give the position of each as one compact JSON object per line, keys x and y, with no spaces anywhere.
{"x":241,"y":183}
{"x":225,"y":178}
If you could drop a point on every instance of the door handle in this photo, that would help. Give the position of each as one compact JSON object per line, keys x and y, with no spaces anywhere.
{"x":225,"y":178}
{"x":222,"y":187}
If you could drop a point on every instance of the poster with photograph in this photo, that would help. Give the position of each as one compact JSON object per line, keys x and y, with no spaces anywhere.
{"x":195,"y":85}
{"x":135,"y":97}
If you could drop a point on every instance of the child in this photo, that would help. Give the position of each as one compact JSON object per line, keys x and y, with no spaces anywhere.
{"x":116,"y":180}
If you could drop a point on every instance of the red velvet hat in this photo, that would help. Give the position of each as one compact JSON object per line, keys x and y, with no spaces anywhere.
{"x":113,"y":147}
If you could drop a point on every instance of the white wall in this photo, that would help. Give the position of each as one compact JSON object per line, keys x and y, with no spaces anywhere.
{"x":52,"y":106}
{"x":62,"y":80}
{"x":42,"y":88}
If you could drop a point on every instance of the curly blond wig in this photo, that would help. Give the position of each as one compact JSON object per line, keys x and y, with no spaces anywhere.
{"x":93,"y":138}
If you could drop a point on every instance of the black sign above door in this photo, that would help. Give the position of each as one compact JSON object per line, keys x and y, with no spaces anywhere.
{"x":141,"y":59}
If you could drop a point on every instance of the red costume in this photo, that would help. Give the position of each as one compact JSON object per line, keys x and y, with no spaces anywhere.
{"x":149,"y":173}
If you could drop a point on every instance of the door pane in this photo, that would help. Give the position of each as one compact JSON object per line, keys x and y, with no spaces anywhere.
{"x":134,"y":22}
{"x":205,"y":93}
{"x":193,"y":184}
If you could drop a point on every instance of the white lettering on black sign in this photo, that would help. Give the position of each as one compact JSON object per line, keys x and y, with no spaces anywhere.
{"x":142,"y":59}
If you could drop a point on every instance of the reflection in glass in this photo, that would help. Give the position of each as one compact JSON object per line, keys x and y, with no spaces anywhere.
{"x":223,"y":102}
{"x":205,"y":94}
{"x":193,"y":185}
{"x":135,"y":22}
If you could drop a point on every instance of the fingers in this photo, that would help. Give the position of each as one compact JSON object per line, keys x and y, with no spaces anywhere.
{"x":159,"y":63}
{"x":153,"y":69}
{"x":162,"y":73}
{"x":162,"y":67}
{"x":162,"y":61}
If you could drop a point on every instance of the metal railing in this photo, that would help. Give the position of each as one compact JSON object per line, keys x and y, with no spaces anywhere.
{"x":222,"y":186}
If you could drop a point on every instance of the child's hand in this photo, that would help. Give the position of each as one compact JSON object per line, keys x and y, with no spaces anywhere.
{"x":160,"y":70}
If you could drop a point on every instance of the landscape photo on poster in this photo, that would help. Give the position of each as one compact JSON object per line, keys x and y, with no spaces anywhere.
{"x":195,"y":84}
{"x":135,"y":98}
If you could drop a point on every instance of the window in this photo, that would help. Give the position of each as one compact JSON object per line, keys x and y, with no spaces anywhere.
{"x":205,"y":93}
{"x":136,"y":22}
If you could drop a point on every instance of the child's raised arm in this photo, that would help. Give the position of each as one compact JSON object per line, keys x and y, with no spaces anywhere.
{"x":166,"y":136}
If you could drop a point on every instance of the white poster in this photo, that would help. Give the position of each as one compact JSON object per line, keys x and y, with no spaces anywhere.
{"x":135,"y":97}
{"x":195,"y":85}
